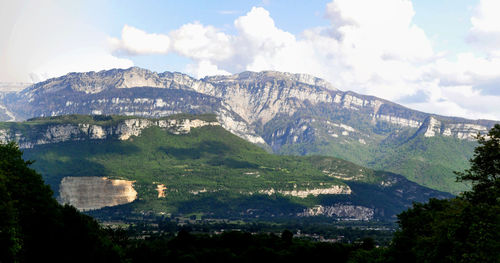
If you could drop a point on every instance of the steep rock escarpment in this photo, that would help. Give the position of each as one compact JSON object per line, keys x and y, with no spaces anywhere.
{"x":32,"y":135}
{"x":433,"y":127}
{"x":244,"y":102}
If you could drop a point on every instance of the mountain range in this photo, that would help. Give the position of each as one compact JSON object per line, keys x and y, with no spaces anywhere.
{"x":283,"y":113}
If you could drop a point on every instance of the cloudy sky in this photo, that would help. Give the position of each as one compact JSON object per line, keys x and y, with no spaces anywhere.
{"x":438,"y":56}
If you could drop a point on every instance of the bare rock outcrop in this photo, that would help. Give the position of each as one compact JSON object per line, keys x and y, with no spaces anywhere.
{"x":346,"y":212}
{"x":55,"y":133}
{"x":90,"y":193}
{"x":333,"y":190}
{"x":466,"y":131}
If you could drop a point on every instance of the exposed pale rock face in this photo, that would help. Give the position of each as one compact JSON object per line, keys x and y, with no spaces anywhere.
{"x":334,"y":190}
{"x":398,"y":121}
{"x":8,"y":135}
{"x":238,"y":128}
{"x":244,"y":102}
{"x":139,"y":78}
{"x":343,"y":211}
{"x":466,"y":131}
{"x":59,"y":133}
{"x":249,"y":76}
{"x":97,"y":132}
{"x":89,"y":193}
{"x":196,"y":192}
{"x":389,"y":182}
{"x":123,"y":131}
{"x":433,"y":127}
{"x":350,"y":100}
{"x":160,"y":188}
{"x":273,"y":93}
{"x":132,"y":127}
{"x":343,"y":176}
{"x":184,"y":126}
{"x":96,"y":82}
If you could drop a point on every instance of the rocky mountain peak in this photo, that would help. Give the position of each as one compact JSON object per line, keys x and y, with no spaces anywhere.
{"x":94,"y":82}
{"x":270,"y":76}
{"x":138,"y":77}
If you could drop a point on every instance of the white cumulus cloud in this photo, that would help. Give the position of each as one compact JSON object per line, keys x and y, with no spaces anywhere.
{"x":485,"y":31}
{"x":136,"y":42}
{"x":205,"y":68}
{"x":201,"y":42}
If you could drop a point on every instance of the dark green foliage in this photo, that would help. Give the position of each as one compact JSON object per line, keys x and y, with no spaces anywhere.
{"x":463,"y":229}
{"x":10,"y":242}
{"x":34,"y":227}
{"x":448,"y":231}
{"x":243,"y":247}
{"x":229,"y":170}
{"x":484,"y":172}
{"x":429,"y":161}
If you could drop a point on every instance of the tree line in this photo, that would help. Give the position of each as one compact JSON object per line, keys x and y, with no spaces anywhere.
{"x":35,"y":227}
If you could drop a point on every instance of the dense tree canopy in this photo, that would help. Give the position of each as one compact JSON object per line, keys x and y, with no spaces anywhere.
{"x":463,"y":229}
{"x":484,"y":172}
{"x":34,"y":227}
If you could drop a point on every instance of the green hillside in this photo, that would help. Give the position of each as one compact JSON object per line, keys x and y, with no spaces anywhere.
{"x":429,"y":161}
{"x":212,"y":172}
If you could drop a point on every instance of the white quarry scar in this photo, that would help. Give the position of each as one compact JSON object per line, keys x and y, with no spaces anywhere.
{"x":89,"y":193}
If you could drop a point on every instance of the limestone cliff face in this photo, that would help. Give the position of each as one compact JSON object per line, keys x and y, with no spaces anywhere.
{"x":262,"y":97}
{"x":398,"y":120}
{"x":288,"y":113}
{"x":90,"y":193}
{"x":259,"y":97}
{"x":134,"y":127}
{"x":238,"y":127}
{"x":347,"y":212}
{"x":244,"y":102}
{"x":131,"y":92}
{"x":433,"y":127}
{"x":55,"y":133}
{"x":334,"y":190}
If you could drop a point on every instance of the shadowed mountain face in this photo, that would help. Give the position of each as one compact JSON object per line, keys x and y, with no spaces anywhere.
{"x":288,"y":113}
{"x":186,"y":164}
